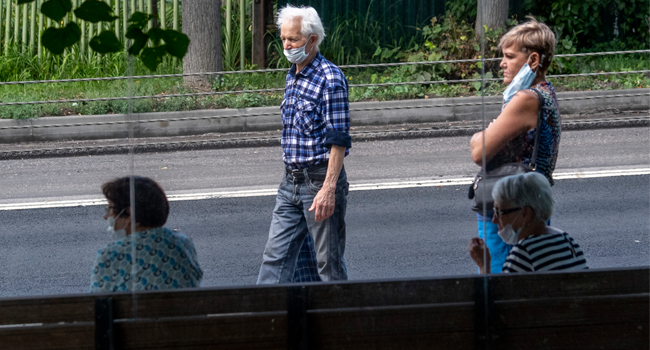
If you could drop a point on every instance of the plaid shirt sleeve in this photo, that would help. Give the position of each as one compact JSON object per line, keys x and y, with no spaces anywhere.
{"x":336,"y":109}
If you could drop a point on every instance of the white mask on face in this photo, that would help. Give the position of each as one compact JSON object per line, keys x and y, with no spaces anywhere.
{"x":521,"y":81}
{"x":509,"y":235}
{"x":298,"y":55}
{"x":116,"y":234}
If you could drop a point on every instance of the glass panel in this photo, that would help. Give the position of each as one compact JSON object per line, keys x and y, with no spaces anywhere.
{"x":58,"y":148}
{"x":215,"y":187}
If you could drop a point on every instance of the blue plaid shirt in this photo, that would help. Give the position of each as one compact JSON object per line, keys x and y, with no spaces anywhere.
{"x":315,"y":113}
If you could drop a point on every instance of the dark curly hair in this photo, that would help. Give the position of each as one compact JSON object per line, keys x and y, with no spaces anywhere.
{"x":151,"y":205}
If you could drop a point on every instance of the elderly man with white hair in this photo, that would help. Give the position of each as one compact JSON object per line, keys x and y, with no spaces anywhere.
{"x":522,"y":205}
{"x":312,"y":197}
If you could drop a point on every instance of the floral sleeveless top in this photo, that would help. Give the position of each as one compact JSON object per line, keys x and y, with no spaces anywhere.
{"x":520,"y":149}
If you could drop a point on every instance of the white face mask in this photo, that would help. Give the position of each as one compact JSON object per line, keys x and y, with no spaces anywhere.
{"x":509,"y":235}
{"x":298,"y":55}
{"x":116,"y":234}
{"x":521,"y":81}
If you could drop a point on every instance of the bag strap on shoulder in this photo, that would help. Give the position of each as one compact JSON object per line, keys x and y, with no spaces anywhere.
{"x":533,"y":159}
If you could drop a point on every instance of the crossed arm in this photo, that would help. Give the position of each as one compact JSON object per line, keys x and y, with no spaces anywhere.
{"x":519,"y":116}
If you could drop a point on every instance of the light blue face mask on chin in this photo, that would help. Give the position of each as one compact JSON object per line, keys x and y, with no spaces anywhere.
{"x":521,"y":81}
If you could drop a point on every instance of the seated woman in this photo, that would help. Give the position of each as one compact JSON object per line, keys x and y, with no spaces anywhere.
{"x":522,"y":205}
{"x":163,"y":259}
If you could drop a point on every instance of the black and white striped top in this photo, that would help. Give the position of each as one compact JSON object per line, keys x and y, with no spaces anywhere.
{"x":549,"y":252}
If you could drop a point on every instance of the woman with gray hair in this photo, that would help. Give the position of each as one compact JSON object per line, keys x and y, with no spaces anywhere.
{"x":522,"y":205}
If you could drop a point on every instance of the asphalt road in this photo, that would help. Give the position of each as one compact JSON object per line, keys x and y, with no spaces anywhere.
{"x":253,"y":168}
{"x":392,"y":233}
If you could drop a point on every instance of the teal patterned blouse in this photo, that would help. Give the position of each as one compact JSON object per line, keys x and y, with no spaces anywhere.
{"x":520,"y":149}
{"x":163,"y":260}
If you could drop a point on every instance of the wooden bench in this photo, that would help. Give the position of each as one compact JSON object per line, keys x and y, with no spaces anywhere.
{"x":597,"y":309}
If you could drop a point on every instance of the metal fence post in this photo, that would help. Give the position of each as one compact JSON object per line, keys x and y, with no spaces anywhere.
{"x":40,"y":31}
{"x":242,"y":36}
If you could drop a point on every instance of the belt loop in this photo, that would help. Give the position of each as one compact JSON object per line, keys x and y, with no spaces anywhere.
{"x":304,"y":171}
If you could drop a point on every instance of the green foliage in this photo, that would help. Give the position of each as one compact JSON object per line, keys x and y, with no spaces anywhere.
{"x":231,"y":57}
{"x":176,"y":43}
{"x":461,"y":10}
{"x":595,"y":25}
{"x":105,"y":42}
{"x":95,"y":11}
{"x":56,"y":9}
{"x":357,"y":40}
{"x":153,"y":56}
{"x":57,"y":39}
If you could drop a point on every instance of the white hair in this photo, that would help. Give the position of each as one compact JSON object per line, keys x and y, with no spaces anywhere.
{"x":310,"y":24}
{"x":526,"y":190}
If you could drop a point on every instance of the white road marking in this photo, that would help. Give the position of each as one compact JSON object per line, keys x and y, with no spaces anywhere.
{"x":357,"y":187}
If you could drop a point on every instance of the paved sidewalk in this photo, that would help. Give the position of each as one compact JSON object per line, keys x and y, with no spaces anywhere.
{"x":587,"y":120}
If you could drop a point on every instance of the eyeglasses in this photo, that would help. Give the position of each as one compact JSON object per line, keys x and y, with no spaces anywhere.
{"x":108,"y":209}
{"x":498,"y":213}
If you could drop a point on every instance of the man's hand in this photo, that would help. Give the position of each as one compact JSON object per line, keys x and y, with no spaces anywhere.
{"x":476,"y":247}
{"x":324,"y":203}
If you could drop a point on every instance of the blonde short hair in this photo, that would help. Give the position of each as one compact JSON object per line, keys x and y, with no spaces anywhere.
{"x":532,"y":36}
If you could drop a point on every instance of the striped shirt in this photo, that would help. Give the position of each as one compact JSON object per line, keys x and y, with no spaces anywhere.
{"x":549,"y":252}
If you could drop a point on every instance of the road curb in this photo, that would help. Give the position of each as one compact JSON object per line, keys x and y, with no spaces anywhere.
{"x":170,"y":124}
{"x":274,"y":141}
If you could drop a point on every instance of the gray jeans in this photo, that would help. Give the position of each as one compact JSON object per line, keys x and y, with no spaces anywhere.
{"x":292,"y":222}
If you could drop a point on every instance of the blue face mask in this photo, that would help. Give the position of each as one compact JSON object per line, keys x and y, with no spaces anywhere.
{"x":521,"y":81}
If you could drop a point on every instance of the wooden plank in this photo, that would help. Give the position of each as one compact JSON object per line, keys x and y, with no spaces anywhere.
{"x":65,"y":337}
{"x":586,"y":283}
{"x":178,"y":303}
{"x":367,"y":294}
{"x":624,"y":336}
{"x":562,"y":312}
{"x":201,"y":302}
{"x":325,"y":296}
{"x":424,"y":341}
{"x":343,"y":326}
{"x":255,"y":331}
{"x":80,"y":308}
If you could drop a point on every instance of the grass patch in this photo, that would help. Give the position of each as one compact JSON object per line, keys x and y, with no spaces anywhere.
{"x":166,"y":86}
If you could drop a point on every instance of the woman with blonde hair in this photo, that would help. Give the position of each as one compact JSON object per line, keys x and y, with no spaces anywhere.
{"x":528,"y":50}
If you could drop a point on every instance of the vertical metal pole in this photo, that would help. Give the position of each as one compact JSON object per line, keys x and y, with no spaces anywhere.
{"x":163,"y":14}
{"x":175,"y":15}
{"x":32,"y":28}
{"x":40,"y":31}
{"x":7,"y":25}
{"x":90,"y":36}
{"x":242,"y":37}
{"x":117,"y":23}
{"x":228,"y":28}
{"x":82,"y":43}
{"x":16,"y":23}
{"x":25,"y":24}
{"x":2,"y":3}
{"x":150,"y":11}
{"x":125,"y":21}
